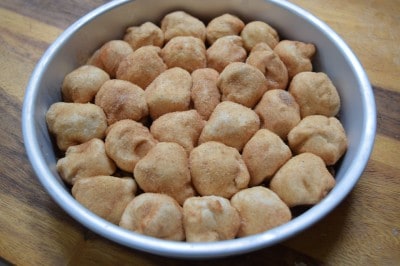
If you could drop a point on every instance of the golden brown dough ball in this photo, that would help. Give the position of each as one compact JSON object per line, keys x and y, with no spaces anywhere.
{"x":315,"y":94}
{"x":225,"y":50}
{"x":205,"y":94}
{"x":106,"y":196}
{"x":75,"y":123}
{"x":85,"y":160}
{"x":82,"y":84}
{"x":180,"y":23}
{"x":278,"y":111}
{"x":209,"y":218}
{"x":186,"y":52}
{"x":223,"y":25}
{"x":165,"y":169}
{"x":146,"y":34}
{"x":260,"y":209}
{"x":261,"y":47}
{"x":120,"y":100}
{"x":127,"y":141}
{"x":183,"y":128}
{"x":296,"y":55}
{"x":321,"y":135}
{"x":110,"y":55}
{"x":142,"y":66}
{"x":232,"y":124}
{"x":303,"y":180}
{"x":259,"y":31}
{"x":269,"y":63}
{"x":264,"y":154}
{"x":169,"y":92}
{"x":242,"y":83}
{"x":217,"y":170}
{"x":155,"y":215}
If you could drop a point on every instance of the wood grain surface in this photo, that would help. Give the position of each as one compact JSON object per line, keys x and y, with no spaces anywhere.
{"x":363,"y":230}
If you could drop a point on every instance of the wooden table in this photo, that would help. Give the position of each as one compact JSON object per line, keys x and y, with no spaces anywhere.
{"x":363,"y":230}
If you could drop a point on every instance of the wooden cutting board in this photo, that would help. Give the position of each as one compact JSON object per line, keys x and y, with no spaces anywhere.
{"x":363,"y":230}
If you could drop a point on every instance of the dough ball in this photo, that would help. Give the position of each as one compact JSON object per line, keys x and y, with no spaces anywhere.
{"x":321,"y":135}
{"x":183,"y":128}
{"x":205,"y":93}
{"x":146,"y":34}
{"x":186,"y":52}
{"x":296,"y":55}
{"x":259,"y":31}
{"x":120,"y":100}
{"x":142,"y":66}
{"x":217,"y":170}
{"x":269,"y":63}
{"x":169,"y":92}
{"x":261,"y":47}
{"x":75,"y":123}
{"x":264,"y":154}
{"x":85,"y":160}
{"x":242,"y":83}
{"x":260,"y":209}
{"x":223,"y":25}
{"x":95,"y":60}
{"x":225,"y":50}
{"x":232,"y":124}
{"x":180,"y":23}
{"x":209,"y":218}
{"x":303,"y":180}
{"x":82,"y":84}
{"x":315,"y":94}
{"x":110,"y":55}
{"x":165,"y":169}
{"x":127,"y":141}
{"x":278,"y":112}
{"x":155,"y":215}
{"x":106,"y":196}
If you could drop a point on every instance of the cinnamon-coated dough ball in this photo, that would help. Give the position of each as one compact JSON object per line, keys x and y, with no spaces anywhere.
{"x":82,"y":84}
{"x":232,"y":124}
{"x":155,"y":215}
{"x":110,"y":55}
{"x":183,"y":128}
{"x":217,"y":170}
{"x":169,"y":92}
{"x":223,"y":25}
{"x":209,"y":218}
{"x":264,"y":154}
{"x":296,"y":55}
{"x":225,"y":50}
{"x":259,"y":31}
{"x":146,"y":34}
{"x":321,"y":135}
{"x":269,"y":63}
{"x":165,"y":169}
{"x":260,"y":209}
{"x":85,"y":160}
{"x":142,"y":66}
{"x":120,"y":100}
{"x":180,"y":23}
{"x":186,"y":52}
{"x":303,"y":180}
{"x":106,"y":196}
{"x":75,"y":123}
{"x":278,"y":112}
{"x":242,"y":83}
{"x":315,"y":94}
{"x":205,"y":94}
{"x":127,"y":141}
